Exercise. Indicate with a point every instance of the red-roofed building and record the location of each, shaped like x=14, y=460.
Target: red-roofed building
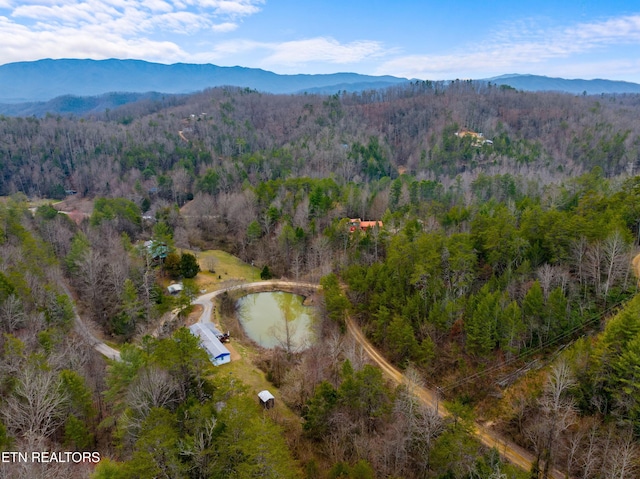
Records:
x=357, y=223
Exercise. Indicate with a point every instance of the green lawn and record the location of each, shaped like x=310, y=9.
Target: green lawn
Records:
x=227, y=267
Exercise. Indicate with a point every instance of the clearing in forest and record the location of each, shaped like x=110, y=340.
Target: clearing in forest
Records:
x=226, y=268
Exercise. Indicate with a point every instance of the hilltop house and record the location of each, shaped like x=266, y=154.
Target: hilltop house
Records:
x=357, y=223
x=477, y=139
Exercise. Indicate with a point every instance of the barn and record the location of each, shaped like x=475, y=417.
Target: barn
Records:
x=218, y=353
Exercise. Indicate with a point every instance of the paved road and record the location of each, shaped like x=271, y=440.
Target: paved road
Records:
x=83, y=330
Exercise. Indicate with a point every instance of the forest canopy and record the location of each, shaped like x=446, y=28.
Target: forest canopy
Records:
x=482, y=238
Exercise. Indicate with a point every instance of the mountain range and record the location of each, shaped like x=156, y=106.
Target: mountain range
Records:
x=577, y=86
x=43, y=80
x=71, y=86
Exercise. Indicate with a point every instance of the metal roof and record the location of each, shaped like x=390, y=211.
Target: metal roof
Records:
x=209, y=340
x=265, y=395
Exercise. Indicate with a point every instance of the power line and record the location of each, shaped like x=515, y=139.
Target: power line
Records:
x=532, y=351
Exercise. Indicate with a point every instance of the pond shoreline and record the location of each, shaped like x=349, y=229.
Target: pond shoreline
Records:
x=278, y=318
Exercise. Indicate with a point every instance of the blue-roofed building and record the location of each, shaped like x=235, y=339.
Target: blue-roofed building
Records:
x=217, y=352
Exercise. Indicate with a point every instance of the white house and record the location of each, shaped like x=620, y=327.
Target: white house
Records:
x=217, y=352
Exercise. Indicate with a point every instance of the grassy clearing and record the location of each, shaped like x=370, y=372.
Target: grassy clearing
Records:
x=228, y=269
x=245, y=370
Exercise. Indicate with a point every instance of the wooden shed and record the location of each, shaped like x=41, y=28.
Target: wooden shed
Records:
x=266, y=399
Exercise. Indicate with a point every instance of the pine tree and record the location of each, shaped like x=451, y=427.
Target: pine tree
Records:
x=481, y=325
x=533, y=312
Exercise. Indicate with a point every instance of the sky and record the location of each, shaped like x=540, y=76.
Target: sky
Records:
x=426, y=39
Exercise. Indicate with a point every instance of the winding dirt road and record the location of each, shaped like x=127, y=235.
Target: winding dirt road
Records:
x=507, y=449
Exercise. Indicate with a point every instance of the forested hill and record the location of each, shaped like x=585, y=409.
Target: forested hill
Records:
x=575, y=86
x=428, y=130
x=71, y=86
x=501, y=229
x=46, y=79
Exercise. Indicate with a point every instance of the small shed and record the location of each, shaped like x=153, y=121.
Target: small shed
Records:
x=266, y=399
x=174, y=288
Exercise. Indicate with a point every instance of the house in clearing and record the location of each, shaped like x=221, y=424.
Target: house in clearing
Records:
x=477, y=139
x=358, y=224
x=208, y=334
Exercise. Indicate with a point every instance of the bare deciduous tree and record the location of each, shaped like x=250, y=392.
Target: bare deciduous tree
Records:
x=557, y=413
x=622, y=460
x=11, y=314
x=422, y=424
x=616, y=260
x=152, y=387
x=35, y=406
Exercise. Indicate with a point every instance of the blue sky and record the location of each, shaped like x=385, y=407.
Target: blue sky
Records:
x=415, y=39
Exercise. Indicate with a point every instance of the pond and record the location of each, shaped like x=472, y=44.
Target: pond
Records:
x=277, y=319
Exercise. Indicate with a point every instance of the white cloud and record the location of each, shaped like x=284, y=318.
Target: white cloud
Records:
x=157, y=6
x=113, y=28
x=178, y=22
x=65, y=13
x=520, y=48
x=229, y=7
x=225, y=27
x=321, y=49
x=235, y=47
x=622, y=30
x=293, y=56
x=21, y=44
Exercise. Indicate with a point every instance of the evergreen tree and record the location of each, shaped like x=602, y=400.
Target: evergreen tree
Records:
x=482, y=324
x=265, y=274
x=557, y=313
x=401, y=340
x=189, y=266
x=318, y=409
x=533, y=312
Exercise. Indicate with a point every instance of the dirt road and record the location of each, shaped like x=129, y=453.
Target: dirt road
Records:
x=636, y=266
x=507, y=449
x=83, y=330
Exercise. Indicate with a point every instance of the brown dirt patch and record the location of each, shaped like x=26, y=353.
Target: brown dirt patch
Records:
x=636, y=266
x=235, y=355
x=194, y=315
x=77, y=208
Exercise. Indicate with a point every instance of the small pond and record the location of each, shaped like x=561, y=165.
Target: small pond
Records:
x=277, y=319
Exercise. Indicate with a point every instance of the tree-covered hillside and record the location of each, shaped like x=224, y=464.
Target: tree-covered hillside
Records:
x=237, y=135
x=502, y=231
